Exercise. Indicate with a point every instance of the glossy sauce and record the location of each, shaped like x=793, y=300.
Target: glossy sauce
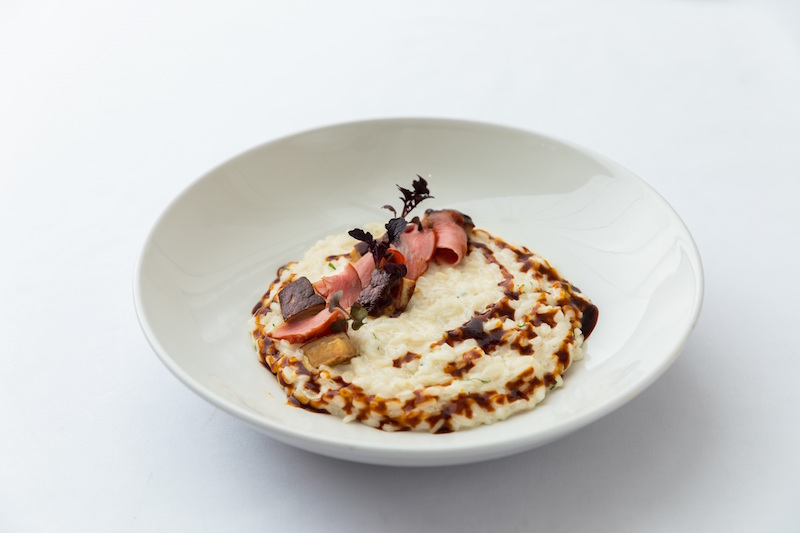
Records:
x=407, y=358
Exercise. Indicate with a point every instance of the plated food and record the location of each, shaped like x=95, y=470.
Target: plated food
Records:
x=215, y=249
x=433, y=326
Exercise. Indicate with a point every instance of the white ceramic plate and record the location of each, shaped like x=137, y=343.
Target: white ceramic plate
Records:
x=215, y=249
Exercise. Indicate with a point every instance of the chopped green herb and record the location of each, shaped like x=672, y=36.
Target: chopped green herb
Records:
x=481, y=380
x=374, y=336
x=553, y=386
x=331, y=265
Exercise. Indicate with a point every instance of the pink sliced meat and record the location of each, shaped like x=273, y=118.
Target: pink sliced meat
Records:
x=305, y=329
x=417, y=247
x=364, y=266
x=348, y=281
x=451, y=235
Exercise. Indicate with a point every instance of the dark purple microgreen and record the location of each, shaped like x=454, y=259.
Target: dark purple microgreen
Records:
x=378, y=249
x=395, y=270
x=361, y=235
x=395, y=228
x=412, y=198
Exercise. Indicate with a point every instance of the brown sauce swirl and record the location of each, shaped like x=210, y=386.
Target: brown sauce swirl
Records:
x=407, y=358
x=464, y=365
x=508, y=280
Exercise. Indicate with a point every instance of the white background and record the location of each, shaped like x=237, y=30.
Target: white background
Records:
x=109, y=109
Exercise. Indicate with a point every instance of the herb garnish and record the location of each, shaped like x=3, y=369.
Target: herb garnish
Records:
x=379, y=248
x=395, y=226
x=357, y=313
x=411, y=199
x=373, y=296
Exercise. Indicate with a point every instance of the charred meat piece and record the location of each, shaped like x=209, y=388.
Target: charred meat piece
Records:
x=298, y=300
x=330, y=350
x=382, y=284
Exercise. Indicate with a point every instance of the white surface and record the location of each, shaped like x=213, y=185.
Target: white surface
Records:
x=108, y=110
x=199, y=273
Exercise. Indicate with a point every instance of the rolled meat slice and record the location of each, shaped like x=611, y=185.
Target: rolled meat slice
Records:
x=450, y=228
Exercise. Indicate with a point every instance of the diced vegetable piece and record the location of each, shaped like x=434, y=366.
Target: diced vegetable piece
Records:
x=330, y=350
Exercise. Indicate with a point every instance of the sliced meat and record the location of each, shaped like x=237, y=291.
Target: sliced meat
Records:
x=364, y=267
x=330, y=350
x=348, y=281
x=450, y=228
x=462, y=219
x=298, y=300
x=417, y=247
x=305, y=329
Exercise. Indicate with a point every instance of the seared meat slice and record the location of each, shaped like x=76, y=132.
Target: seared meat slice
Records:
x=330, y=350
x=305, y=329
x=298, y=300
x=347, y=281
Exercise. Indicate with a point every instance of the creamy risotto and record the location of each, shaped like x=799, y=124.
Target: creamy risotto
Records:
x=476, y=343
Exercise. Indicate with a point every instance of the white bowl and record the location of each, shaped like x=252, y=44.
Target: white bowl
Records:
x=213, y=252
